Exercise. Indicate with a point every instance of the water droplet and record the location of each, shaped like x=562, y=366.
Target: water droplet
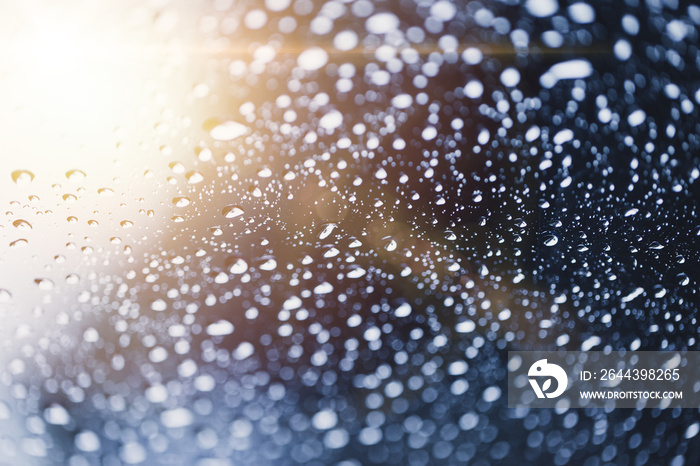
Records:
x=44, y=284
x=75, y=175
x=268, y=265
x=22, y=177
x=632, y=295
x=87, y=441
x=70, y=198
x=126, y=223
x=181, y=201
x=56, y=415
x=466, y=326
x=659, y=291
x=133, y=453
x=204, y=154
x=22, y=224
x=105, y=192
x=356, y=272
x=327, y=230
x=176, y=418
x=237, y=265
x=332, y=252
x=19, y=243
x=221, y=278
x=194, y=177
x=323, y=288
x=232, y=211
x=312, y=59
x=228, y=131
x=5, y=296
x=404, y=310
x=220, y=328
x=550, y=239
x=177, y=167
x=159, y=305
x=264, y=172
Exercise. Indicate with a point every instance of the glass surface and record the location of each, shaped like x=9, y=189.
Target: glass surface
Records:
x=302, y=232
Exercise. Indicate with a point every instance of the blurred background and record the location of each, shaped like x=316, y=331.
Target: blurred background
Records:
x=301, y=232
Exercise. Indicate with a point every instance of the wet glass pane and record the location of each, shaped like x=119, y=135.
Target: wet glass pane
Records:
x=302, y=232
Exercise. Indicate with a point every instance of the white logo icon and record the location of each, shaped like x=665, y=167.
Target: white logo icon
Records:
x=547, y=371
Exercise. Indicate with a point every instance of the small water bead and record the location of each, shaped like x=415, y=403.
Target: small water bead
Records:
x=356, y=272
x=194, y=177
x=159, y=305
x=550, y=239
x=204, y=154
x=133, y=453
x=228, y=131
x=382, y=23
x=177, y=167
x=105, y=192
x=581, y=13
x=327, y=230
x=312, y=59
x=44, y=284
x=22, y=224
x=541, y=8
x=220, y=328
x=237, y=266
x=22, y=177
x=268, y=265
x=19, y=243
x=75, y=175
x=181, y=201
x=264, y=172
x=232, y=211
x=404, y=310
x=87, y=441
x=126, y=223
